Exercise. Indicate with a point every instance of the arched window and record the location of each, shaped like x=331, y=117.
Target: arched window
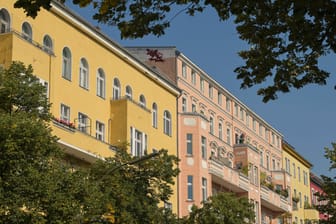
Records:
x=101, y=83
x=48, y=44
x=27, y=31
x=116, y=89
x=142, y=100
x=84, y=73
x=154, y=115
x=66, y=63
x=4, y=21
x=129, y=92
x=167, y=124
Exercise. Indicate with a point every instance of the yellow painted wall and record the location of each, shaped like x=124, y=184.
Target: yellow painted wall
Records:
x=84, y=41
x=296, y=182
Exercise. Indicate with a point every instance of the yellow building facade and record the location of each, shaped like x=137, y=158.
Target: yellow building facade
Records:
x=299, y=170
x=101, y=96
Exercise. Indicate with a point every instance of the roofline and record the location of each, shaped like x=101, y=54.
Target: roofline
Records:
x=80, y=23
x=291, y=150
x=201, y=71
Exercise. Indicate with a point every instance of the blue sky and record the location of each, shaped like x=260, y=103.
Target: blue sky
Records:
x=305, y=117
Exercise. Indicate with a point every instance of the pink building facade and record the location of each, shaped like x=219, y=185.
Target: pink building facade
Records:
x=222, y=144
x=316, y=187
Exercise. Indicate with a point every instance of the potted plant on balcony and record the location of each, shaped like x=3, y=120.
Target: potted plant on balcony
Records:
x=295, y=199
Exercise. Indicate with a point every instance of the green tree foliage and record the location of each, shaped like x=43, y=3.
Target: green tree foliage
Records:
x=35, y=184
x=134, y=188
x=223, y=208
x=328, y=198
x=286, y=37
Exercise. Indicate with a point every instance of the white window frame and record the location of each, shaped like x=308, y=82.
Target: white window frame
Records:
x=154, y=115
x=193, y=77
x=101, y=83
x=138, y=142
x=184, y=70
x=66, y=63
x=167, y=123
x=82, y=122
x=129, y=92
x=4, y=21
x=211, y=124
x=48, y=44
x=204, y=189
x=189, y=144
x=27, y=32
x=190, y=188
x=203, y=147
x=84, y=74
x=142, y=101
x=184, y=104
x=100, y=131
x=116, y=89
x=220, y=130
x=65, y=113
x=211, y=88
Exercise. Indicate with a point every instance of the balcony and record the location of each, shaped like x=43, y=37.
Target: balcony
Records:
x=273, y=201
x=78, y=144
x=227, y=177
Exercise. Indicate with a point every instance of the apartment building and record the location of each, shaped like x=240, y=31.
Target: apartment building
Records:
x=101, y=95
x=299, y=169
x=222, y=144
x=316, y=184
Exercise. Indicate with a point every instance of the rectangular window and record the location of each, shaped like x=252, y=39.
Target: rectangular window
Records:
x=273, y=164
x=100, y=131
x=189, y=144
x=203, y=147
x=193, y=108
x=228, y=136
x=241, y=114
x=299, y=173
x=193, y=77
x=202, y=85
x=204, y=189
x=260, y=130
x=261, y=158
x=45, y=84
x=266, y=134
x=184, y=105
x=273, y=138
x=294, y=170
x=184, y=70
x=305, y=178
x=210, y=92
x=254, y=124
x=83, y=122
x=267, y=162
x=247, y=120
x=138, y=142
x=219, y=99
x=190, y=187
x=65, y=113
x=236, y=109
x=228, y=104
x=220, y=131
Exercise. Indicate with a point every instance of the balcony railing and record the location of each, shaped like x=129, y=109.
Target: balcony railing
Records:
x=227, y=176
x=273, y=201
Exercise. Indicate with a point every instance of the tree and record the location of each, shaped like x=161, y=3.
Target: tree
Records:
x=286, y=37
x=223, y=208
x=135, y=189
x=328, y=197
x=36, y=186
